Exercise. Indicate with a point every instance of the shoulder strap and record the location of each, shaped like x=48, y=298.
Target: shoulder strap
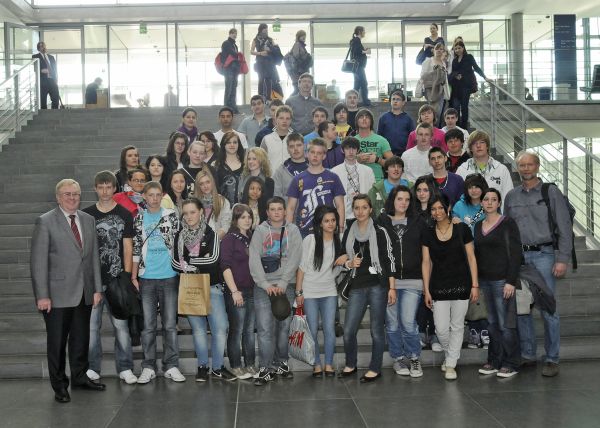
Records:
x=348, y=54
x=281, y=241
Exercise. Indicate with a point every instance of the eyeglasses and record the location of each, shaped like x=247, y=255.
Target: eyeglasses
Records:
x=138, y=180
x=71, y=194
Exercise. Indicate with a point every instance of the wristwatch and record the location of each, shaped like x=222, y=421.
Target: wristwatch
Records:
x=299, y=293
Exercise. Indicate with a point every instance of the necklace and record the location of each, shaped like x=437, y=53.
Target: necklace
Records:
x=445, y=232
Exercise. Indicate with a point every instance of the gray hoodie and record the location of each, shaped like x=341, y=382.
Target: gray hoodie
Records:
x=265, y=242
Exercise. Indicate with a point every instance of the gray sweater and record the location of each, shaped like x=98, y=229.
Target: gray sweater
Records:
x=265, y=242
x=302, y=108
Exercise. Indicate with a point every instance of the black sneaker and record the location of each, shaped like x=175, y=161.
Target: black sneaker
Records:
x=223, y=373
x=283, y=371
x=202, y=375
x=264, y=375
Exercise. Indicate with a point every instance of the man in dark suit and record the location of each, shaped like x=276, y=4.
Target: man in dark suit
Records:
x=65, y=274
x=48, y=76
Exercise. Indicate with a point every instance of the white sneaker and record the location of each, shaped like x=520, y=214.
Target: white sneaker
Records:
x=241, y=373
x=92, y=374
x=174, y=374
x=401, y=367
x=128, y=377
x=450, y=373
x=436, y=347
x=146, y=376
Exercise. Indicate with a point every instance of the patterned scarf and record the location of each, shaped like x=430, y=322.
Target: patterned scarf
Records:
x=190, y=239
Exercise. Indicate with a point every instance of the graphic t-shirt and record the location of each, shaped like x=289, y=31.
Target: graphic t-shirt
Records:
x=374, y=144
x=111, y=228
x=158, y=258
x=312, y=190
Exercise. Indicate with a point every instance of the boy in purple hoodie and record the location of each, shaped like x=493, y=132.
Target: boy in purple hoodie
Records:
x=448, y=183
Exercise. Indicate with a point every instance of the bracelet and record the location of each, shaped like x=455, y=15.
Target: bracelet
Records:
x=236, y=291
x=299, y=293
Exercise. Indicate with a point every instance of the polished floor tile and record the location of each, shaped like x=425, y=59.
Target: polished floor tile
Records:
x=526, y=400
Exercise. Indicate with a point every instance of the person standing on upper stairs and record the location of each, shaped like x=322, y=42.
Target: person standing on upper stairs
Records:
x=48, y=77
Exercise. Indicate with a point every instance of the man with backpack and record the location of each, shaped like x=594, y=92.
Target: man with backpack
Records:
x=298, y=60
x=542, y=214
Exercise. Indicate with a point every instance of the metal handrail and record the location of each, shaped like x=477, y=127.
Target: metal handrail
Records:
x=20, y=95
x=508, y=119
x=543, y=120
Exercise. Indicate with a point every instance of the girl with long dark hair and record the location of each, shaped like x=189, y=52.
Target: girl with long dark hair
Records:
x=212, y=146
x=130, y=159
x=229, y=166
x=177, y=148
x=315, y=282
x=499, y=252
x=254, y=196
x=449, y=279
x=157, y=167
x=240, y=296
x=176, y=191
x=405, y=229
x=368, y=248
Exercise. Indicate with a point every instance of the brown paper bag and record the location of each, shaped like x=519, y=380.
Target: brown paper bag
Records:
x=194, y=294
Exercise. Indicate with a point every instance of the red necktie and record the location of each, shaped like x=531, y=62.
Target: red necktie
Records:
x=75, y=230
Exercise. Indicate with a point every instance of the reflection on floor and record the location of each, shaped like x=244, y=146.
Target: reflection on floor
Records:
x=526, y=400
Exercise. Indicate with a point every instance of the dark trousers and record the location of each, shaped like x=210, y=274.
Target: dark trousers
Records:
x=231, y=82
x=68, y=326
x=361, y=85
x=48, y=86
x=460, y=101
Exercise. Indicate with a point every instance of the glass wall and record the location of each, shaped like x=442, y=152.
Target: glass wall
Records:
x=65, y=45
x=138, y=65
x=198, y=45
x=96, y=53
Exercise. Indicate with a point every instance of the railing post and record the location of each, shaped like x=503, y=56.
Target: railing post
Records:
x=17, y=103
x=589, y=186
x=565, y=153
x=493, y=116
x=524, y=123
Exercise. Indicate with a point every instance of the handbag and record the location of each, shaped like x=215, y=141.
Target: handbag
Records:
x=524, y=298
x=243, y=64
x=523, y=295
x=271, y=263
x=421, y=57
x=343, y=282
x=349, y=65
x=300, y=341
x=194, y=294
x=478, y=310
x=121, y=296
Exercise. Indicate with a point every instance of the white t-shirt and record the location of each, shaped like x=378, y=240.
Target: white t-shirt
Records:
x=219, y=134
x=319, y=283
x=416, y=163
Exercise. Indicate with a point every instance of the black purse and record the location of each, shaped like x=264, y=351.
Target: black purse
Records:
x=271, y=263
x=343, y=282
x=349, y=65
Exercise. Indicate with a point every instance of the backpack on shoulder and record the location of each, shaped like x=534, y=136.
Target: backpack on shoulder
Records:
x=553, y=226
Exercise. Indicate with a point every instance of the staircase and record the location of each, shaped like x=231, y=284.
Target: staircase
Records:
x=78, y=143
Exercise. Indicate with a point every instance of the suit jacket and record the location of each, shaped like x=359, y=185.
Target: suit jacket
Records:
x=60, y=270
x=43, y=64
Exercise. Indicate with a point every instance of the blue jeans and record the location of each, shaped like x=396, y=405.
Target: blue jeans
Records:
x=242, y=321
x=123, y=351
x=272, y=334
x=543, y=261
x=217, y=319
x=376, y=298
x=504, y=350
x=325, y=308
x=361, y=85
x=163, y=291
x=401, y=324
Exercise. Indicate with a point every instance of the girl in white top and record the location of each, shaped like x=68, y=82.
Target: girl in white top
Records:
x=315, y=282
x=217, y=209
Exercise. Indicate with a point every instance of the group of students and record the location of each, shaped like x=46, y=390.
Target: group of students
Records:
x=271, y=231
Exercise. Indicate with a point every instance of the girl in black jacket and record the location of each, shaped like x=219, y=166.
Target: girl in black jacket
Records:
x=196, y=252
x=463, y=82
x=369, y=253
x=405, y=228
x=359, y=54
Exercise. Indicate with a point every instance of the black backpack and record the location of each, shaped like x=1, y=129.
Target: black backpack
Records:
x=553, y=227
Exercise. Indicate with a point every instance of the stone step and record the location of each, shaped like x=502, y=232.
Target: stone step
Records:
x=45, y=195
x=15, y=231
x=35, y=366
